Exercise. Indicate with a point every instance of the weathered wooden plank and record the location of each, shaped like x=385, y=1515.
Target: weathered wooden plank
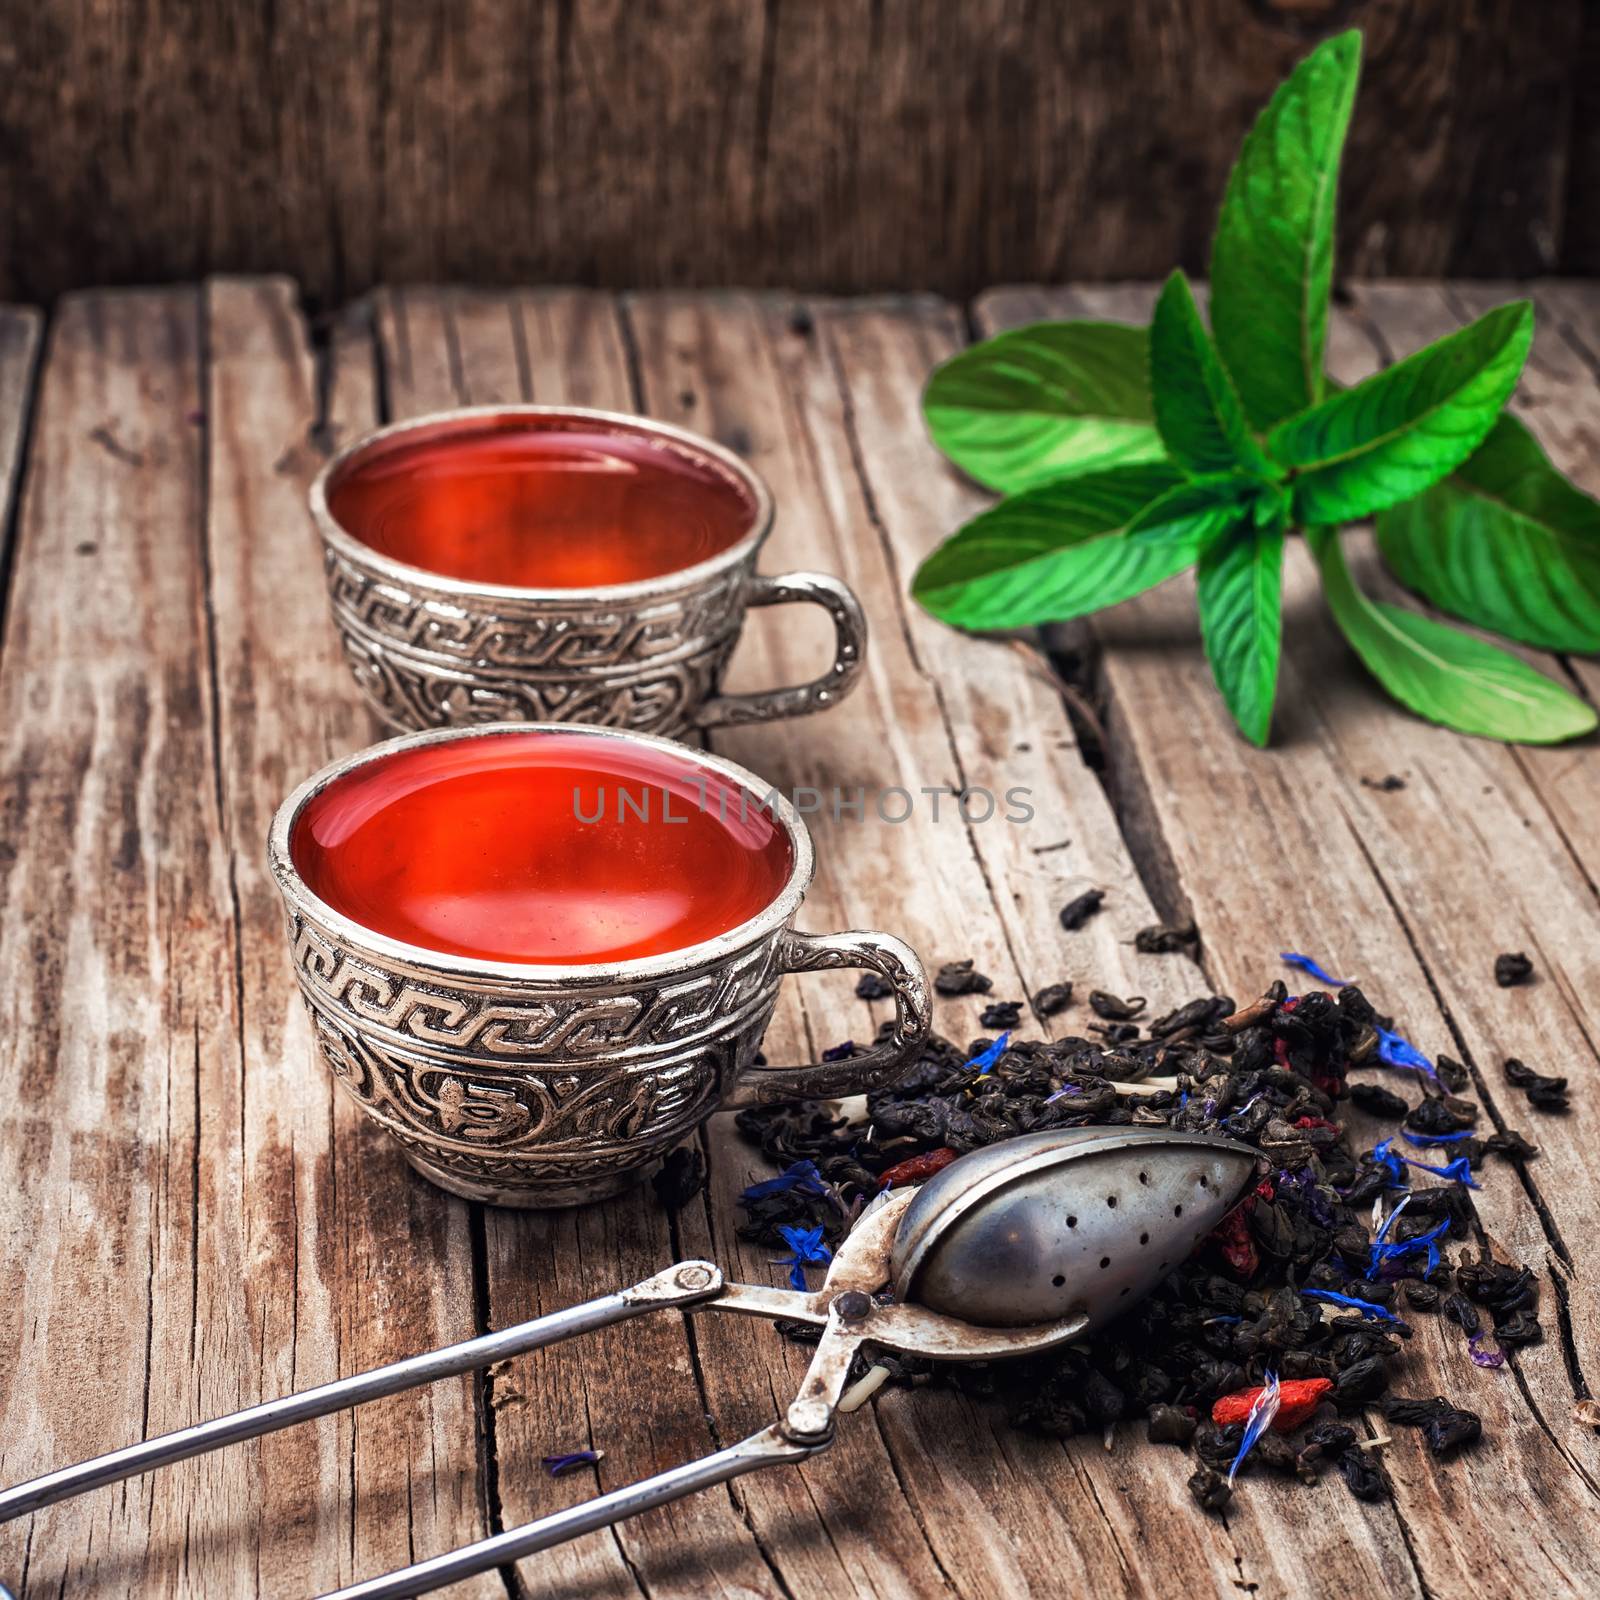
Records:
x=1136, y=1502
x=1289, y=849
x=839, y=144
x=746, y=372
x=120, y=1027
x=632, y=1391
x=352, y=1261
x=219, y=1227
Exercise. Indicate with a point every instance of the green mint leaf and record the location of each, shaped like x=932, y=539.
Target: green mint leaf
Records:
x=1507, y=543
x=1443, y=674
x=1405, y=428
x=1043, y=402
x=1197, y=511
x=1202, y=423
x=1241, y=619
x=1054, y=552
x=1272, y=257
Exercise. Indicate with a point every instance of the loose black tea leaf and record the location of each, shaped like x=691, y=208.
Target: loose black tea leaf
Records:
x=1512, y=1145
x=1191, y=1018
x=1544, y=1093
x=1077, y=912
x=1298, y=1277
x=958, y=978
x=1117, y=1032
x=1511, y=969
x=1171, y=1424
x=1053, y=999
x=1162, y=940
x=1113, y=1008
x=873, y=987
x=1363, y=1475
x=1001, y=1015
x=1520, y=1327
x=1210, y=1489
x=1422, y=1296
x=1445, y=1427
x=1378, y=1101
x=1439, y=1115
x=1387, y=784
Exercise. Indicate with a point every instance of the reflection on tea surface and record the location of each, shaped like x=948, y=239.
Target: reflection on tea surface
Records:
x=540, y=507
x=554, y=848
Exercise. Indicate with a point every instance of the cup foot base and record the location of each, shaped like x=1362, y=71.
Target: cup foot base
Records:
x=550, y=1196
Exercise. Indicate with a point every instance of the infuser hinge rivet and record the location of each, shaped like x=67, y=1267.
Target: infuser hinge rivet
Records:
x=693, y=1278
x=852, y=1305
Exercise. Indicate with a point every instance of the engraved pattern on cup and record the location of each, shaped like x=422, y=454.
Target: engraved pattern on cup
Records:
x=424, y=658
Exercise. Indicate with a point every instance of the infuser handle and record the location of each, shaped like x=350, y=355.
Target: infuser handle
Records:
x=849, y=653
x=768, y=1448
x=685, y=1284
x=897, y=964
x=806, y=1429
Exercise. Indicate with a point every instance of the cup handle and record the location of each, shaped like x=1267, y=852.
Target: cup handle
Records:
x=897, y=964
x=849, y=652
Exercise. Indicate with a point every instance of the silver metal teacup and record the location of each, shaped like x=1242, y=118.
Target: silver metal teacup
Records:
x=529, y=1085
x=430, y=650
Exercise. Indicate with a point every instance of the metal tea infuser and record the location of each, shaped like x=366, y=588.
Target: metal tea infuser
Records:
x=1011, y=1249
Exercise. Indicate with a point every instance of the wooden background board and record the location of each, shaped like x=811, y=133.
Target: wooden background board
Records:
x=840, y=145
x=199, y=1221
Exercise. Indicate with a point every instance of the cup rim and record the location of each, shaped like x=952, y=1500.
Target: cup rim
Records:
x=462, y=418
x=669, y=963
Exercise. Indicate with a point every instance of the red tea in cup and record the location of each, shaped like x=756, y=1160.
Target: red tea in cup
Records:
x=536, y=505
x=551, y=848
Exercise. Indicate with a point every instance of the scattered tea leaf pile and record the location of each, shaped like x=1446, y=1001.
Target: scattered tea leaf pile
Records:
x=1307, y=1288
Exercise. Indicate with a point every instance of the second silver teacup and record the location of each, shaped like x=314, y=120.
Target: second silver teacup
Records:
x=443, y=648
x=547, y=1083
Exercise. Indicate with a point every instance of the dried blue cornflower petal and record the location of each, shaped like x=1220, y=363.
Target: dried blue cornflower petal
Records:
x=1394, y=1163
x=1458, y=1171
x=1484, y=1358
x=809, y=1250
x=1367, y=1308
x=1380, y=1251
x=1293, y=958
x=1423, y=1140
x=1262, y=1410
x=802, y=1177
x=1397, y=1052
x=1239, y=1111
x=985, y=1059
x=556, y=1465
x=1383, y=1250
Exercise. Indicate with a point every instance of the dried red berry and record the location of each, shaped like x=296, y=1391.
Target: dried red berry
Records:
x=1297, y=1399
x=1233, y=1243
x=917, y=1169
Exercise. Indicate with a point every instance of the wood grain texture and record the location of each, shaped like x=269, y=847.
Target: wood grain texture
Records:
x=218, y=1232
x=1288, y=848
x=829, y=144
x=199, y=1221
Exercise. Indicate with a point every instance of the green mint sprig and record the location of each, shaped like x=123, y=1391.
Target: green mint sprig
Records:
x=1128, y=455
